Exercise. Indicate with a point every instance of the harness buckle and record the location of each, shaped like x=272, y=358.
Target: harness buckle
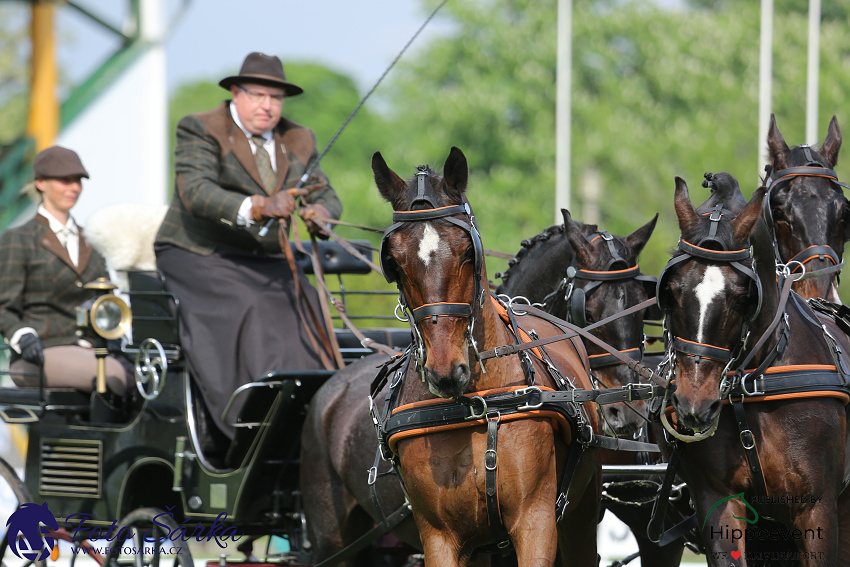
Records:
x=472, y=415
x=748, y=441
x=490, y=459
x=631, y=388
x=373, y=476
x=561, y=506
x=755, y=391
x=528, y=390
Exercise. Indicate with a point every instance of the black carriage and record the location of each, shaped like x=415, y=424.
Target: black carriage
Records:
x=103, y=466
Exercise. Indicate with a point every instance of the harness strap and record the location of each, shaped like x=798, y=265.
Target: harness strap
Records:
x=573, y=461
x=605, y=360
x=608, y=275
x=366, y=539
x=635, y=366
x=659, y=508
x=708, y=254
x=748, y=442
x=821, y=251
x=442, y=310
x=701, y=350
x=491, y=461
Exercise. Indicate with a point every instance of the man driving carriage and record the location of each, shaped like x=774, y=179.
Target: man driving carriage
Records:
x=242, y=312
x=44, y=266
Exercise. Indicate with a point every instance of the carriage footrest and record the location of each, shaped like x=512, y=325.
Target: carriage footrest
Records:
x=15, y=414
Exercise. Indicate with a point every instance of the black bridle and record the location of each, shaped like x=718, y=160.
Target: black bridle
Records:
x=778, y=179
x=432, y=311
x=732, y=258
x=576, y=297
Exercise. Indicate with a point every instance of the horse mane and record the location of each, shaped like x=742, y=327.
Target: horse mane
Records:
x=528, y=245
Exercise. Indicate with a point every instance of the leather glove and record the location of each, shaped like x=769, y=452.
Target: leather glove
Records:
x=279, y=206
x=314, y=217
x=32, y=349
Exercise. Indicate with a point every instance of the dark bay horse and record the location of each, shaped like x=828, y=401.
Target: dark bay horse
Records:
x=735, y=336
x=807, y=209
x=434, y=254
x=605, y=280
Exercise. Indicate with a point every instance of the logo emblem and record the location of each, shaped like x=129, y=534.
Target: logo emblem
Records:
x=26, y=528
x=747, y=504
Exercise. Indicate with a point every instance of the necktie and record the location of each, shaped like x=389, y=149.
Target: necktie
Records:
x=264, y=163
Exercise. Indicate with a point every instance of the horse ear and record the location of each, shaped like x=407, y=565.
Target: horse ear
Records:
x=390, y=185
x=744, y=222
x=581, y=247
x=456, y=174
x=832, y=144
x=776, y=146
x=688, y=217
x=638, y=239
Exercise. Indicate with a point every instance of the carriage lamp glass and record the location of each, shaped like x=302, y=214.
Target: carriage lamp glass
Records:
x=107, y=315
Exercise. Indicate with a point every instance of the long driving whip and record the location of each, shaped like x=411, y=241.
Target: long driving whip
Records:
x=265, y=229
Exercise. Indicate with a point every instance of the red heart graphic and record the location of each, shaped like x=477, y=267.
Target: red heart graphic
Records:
x=735, y=554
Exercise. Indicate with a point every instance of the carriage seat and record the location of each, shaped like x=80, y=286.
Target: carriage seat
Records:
x=155, y=309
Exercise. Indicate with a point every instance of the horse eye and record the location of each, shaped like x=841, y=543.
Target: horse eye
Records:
x=778, y=215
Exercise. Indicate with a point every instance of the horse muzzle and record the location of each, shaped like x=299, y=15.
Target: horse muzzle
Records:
x=697, y=416
x=449, y=385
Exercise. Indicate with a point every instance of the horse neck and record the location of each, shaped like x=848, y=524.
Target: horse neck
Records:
x=538, y=269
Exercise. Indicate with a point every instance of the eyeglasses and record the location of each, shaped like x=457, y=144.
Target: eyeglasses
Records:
x=257, y=98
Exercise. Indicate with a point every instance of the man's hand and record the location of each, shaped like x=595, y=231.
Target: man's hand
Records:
x=32, y=349
x=315, y=218
x=278, y=206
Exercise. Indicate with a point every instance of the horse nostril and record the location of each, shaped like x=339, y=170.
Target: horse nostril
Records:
x=713, y=409
x=460, y=373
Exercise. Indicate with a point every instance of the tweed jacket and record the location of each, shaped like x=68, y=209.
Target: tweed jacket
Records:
x=215, y=171
x=39, y=285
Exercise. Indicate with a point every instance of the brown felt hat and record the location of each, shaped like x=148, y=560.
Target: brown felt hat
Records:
x=264, y=70
x=56, y=162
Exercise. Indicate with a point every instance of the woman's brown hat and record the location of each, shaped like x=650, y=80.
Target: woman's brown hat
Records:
x=57, y=162
x=262, y=69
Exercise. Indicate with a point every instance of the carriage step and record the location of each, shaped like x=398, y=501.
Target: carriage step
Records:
x=635, y=469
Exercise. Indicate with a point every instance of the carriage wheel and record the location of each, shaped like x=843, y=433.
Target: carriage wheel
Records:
x=22, y=496
x=147, y=543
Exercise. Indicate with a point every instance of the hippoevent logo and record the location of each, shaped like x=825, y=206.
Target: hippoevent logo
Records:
x=28, y=529
x=726, y=532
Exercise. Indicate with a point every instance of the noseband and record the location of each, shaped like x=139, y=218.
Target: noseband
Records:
x=432, y=311
x=777, y=179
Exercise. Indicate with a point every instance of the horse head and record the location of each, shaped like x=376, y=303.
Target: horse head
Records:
x=807, y=209
x=433, y=253
x=606, y=280
x=713, y=291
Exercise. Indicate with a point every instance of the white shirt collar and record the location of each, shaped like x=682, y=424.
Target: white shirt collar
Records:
x=55, y=225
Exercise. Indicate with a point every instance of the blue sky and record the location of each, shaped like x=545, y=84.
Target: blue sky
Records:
x=207, y=39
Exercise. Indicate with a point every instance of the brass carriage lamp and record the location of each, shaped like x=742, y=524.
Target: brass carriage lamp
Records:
x=103, y=318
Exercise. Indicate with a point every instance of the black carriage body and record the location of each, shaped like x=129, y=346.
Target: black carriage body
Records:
x=95, y=473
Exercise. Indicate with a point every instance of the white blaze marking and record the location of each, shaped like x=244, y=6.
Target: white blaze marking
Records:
x=430, y=243
x=711, y=286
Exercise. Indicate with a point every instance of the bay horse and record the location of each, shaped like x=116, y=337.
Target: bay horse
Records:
x=807, y=210
x=606, y=271
x=761, y=394
x=497, y=482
